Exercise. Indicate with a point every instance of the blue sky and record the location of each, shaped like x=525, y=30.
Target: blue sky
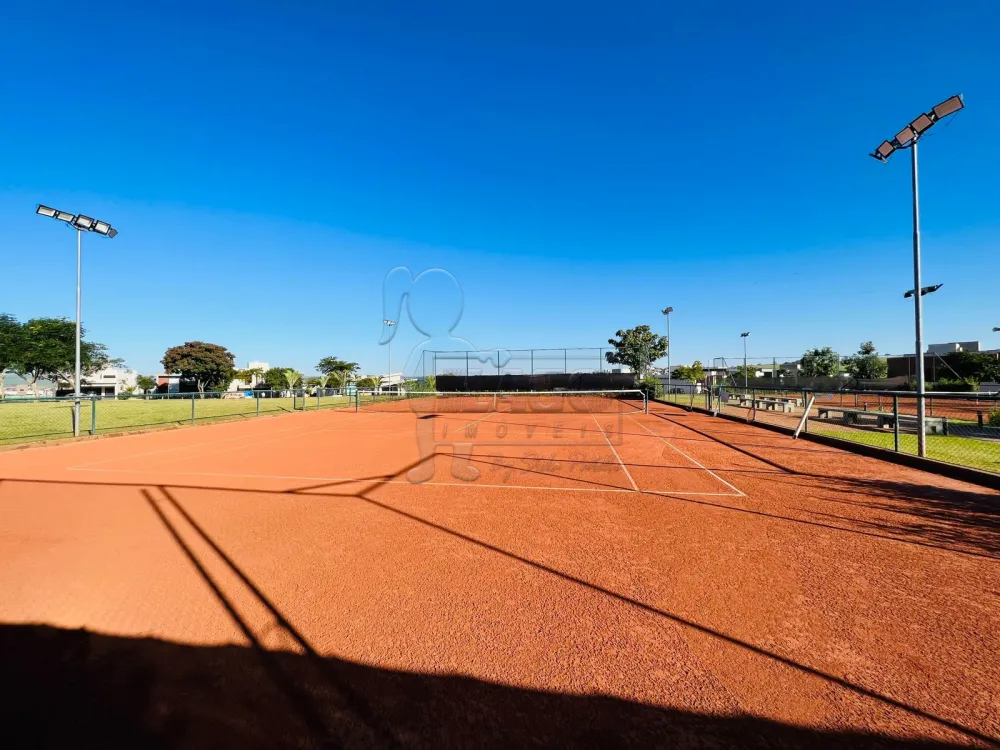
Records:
x=576, y=166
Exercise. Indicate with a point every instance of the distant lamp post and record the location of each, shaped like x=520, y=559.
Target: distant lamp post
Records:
x=667, y=312
x=82, y=224
x=908, y=138
x=390, y=324
x=746, y=381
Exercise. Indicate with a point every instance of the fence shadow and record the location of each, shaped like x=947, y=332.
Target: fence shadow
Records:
x=74, y=688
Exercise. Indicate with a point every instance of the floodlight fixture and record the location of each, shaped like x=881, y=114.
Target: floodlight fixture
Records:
x=904, y=136
x=909, y=135
x=921, y=124
x=64, y=216
x=996, y=330
x=924, y=290
x=46, y=211
x=948, y=107
x=102, y=227
x=668, y=310
x=84, y=222
x=112, y=232
x=884, y=151
x=744, y=335
x=389, y=322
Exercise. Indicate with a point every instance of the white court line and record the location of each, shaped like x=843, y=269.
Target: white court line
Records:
x=356, y=480
x=464, y=426
x=620, y=462
x=701, y=466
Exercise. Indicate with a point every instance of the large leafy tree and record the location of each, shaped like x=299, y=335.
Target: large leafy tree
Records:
x=974, y=367
x=867, y=364
x=820, y=363
x=274, y=378
x=11, y=336
x=48, y=351
x=692, y=372
x=339, y=370
x=637, y=348
x=369, y=382
x=210, y=366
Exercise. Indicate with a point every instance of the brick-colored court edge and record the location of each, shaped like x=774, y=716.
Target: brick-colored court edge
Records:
x=663, y=579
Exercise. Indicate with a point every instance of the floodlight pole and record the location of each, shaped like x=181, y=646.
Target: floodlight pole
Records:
x=79, y=273
x=918, y=308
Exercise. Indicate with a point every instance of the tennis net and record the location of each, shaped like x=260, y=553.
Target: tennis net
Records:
x=513, y=402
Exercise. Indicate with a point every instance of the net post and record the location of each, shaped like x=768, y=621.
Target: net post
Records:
x=645, y=403
x=804, y=422
x=93, y=416
x=257, y=399
x=192, y=408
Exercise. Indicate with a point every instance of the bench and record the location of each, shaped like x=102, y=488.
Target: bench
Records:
x=767, y=404
x=853, y=416
x=932, y=425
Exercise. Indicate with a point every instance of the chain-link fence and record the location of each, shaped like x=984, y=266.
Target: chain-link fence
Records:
x=960, y=428
x=515, y=362
x=52, y=418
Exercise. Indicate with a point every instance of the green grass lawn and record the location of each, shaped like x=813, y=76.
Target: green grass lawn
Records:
x=22, y=421
x=978, y=454
x=684, y=399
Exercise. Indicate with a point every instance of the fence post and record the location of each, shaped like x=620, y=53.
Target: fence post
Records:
x=192, y=408
x=895, y=423
x=979, y=417
x=257, y=398
x=93, y=416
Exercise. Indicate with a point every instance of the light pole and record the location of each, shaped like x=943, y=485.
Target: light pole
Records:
x=667, y=312
x=82, y=224
x=745, y=376
x=908, y=138
x=389, y=323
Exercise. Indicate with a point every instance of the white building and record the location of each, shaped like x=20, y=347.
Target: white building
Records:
x=242, y=385
x=109, y=382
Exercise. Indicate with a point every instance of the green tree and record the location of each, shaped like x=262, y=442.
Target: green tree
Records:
x=210, y=366
x=637, y=348
x=339, y=370
x=11, y=337
x=867, y=364
x=48, y=351
x=274, y=379
x=145, y=383
x=743, y=374
x=693, y=372
x=368, y=382
x=974, y=367
x=820, y=363
x=291, y=377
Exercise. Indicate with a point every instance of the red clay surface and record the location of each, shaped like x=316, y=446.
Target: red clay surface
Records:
x=645, y=580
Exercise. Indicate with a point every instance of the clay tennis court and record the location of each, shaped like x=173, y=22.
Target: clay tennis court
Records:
x=607, y=579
